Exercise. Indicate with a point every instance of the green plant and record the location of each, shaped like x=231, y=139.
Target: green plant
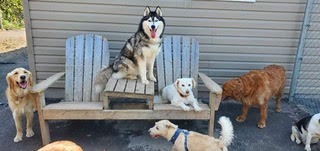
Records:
x=12, y=14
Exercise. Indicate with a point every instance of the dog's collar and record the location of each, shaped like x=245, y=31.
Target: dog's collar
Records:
x=176, y=134
x=182, y=95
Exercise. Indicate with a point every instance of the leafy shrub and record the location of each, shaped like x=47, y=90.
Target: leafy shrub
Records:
x=12, y=14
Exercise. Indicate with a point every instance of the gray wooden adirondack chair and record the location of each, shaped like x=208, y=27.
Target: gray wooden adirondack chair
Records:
x=86, y=54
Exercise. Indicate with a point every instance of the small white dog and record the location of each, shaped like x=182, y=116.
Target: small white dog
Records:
x=184, y=140
x=307, y=130
x=180, y=93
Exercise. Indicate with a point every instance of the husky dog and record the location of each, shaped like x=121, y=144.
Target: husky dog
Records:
x=137, y=56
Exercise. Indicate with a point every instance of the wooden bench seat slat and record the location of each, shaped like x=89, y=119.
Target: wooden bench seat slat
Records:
x=131, y=86
x=74, y=106
x=150, y=88
x=87, y=73
x=121, y=85
x=111, y=84
x=140, y=87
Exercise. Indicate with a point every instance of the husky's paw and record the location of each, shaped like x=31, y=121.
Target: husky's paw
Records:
x=152, y=78
x=197, y=109
x=30, y=133
x=18, y=138
x=145, y=82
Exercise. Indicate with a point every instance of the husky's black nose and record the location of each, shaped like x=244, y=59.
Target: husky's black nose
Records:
x=153, y=26
x=22, y=77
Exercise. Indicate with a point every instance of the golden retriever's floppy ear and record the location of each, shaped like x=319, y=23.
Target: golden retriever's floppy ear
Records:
x=10, y=82
x=170, y=125
x=30, y=81
x=194, y=83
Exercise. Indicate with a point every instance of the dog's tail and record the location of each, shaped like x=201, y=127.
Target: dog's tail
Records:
x=227, y=130
x=102, y=79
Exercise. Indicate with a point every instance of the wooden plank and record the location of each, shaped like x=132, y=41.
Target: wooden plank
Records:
x=194, y=63
x=111, y=84
x=74, y=106
x=131, y=85
x=105, y=52
x=78, y=73
x=186, y=57
x=70, y=57
x=169, y=107
x=140, y=87
x=150, y=88
x=176, y=44
x=121, y=85
x=168, y=61
x=123, y=114
x=87, y=73
x=44, y=85
x=115, y=94
x=160, y=70
x=97, y=52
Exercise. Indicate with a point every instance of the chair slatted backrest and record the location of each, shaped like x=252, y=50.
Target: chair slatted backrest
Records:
x=86, y=54
x=179, y=58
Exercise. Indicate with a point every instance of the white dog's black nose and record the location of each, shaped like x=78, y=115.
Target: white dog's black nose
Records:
x=153, y=26
x=22, y=77
x=187, y=92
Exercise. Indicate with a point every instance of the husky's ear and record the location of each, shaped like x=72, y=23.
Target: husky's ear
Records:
x=146, y=11
x=194, y=83
x=158, y=11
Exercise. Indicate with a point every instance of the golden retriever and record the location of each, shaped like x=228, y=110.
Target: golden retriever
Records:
x=61, y=146
x=20, y=100
x=189, y=140
x=256, y=88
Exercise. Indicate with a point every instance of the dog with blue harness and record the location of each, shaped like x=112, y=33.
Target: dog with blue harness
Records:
x=184, y=140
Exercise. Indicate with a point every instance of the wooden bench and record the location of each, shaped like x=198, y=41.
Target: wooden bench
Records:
x=86, y=54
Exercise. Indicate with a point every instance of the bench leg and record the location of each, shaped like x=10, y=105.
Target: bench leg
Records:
x=211, y=126
x=106, y=102
x=150, y=100
x=45, y=134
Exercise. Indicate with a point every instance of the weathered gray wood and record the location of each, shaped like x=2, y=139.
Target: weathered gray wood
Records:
x=150, y=88
x=194, y=58
x=168, y=60
x=131, y=86
x=97, y=55
x=121, y=85
x=185, y=57
x=87, y=73
x=140, y=87
x=111, y=84
x=176, y=44
x=45, y=84
x=74, y=106
x=70, y=57
x=160, y=70
x=210, y=84
x=78, y=68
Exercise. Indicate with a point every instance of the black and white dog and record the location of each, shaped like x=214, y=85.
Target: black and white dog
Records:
x=137, y=57
x=307, y=130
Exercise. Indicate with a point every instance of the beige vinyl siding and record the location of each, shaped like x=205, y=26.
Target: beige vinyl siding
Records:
x=234, y=37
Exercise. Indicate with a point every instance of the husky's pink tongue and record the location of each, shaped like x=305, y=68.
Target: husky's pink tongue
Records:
x=153, y=33
x=23, y=84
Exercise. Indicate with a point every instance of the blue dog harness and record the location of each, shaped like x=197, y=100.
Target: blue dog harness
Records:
x=176, y=134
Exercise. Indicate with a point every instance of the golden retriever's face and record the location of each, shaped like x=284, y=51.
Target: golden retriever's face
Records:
x=161, y=128
x=231, y=88
x=19, y=78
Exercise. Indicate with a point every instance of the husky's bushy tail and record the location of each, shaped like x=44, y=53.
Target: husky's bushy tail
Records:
x=101, y=79
x=227, y=131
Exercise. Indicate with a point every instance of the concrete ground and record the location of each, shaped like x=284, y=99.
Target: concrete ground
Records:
x=132, y=135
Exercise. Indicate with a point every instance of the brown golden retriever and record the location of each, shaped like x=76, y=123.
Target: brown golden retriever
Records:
x=61, y=146
x=256, y=88
x=20, y=100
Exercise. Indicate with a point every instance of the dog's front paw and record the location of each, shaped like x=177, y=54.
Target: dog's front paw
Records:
x=307, y=148
x=240, y=118
x=197, y=109
x=186, y=108
x=278, y=109
x=261, y=124
x=30, y=133
x=145, y=82
x=18, y=138
x=152, y=78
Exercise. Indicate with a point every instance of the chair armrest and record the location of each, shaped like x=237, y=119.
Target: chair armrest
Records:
x=215, y=91
x=43, y=85
x=210, y=84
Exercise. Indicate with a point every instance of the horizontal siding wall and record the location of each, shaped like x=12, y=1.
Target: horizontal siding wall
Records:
x=235, y=37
